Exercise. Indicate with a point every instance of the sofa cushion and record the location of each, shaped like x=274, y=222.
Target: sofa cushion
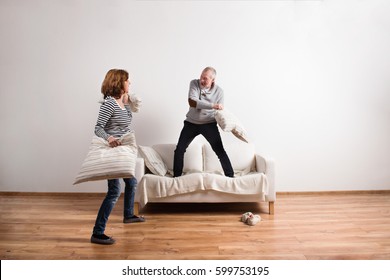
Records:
x=193, y=161
x=252, y=183
x=153, y=160
x=241, y=155
x=152, y=186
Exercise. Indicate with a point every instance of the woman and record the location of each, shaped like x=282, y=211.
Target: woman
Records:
x=114, y=121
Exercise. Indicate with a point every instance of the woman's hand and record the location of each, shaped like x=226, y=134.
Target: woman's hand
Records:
x=125, y=98
x=113, y=142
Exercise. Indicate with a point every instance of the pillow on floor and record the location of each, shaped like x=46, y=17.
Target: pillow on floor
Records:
x=104, y=162
x=153, y=161
x=229, y=123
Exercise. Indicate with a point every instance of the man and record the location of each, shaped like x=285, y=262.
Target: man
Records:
x=204, y=98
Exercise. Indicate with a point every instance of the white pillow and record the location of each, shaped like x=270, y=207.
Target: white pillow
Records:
x=193, y=157
x=153, y=161
x=135, y=103
x=229, y=123
x=241, y=155
x=104, y=162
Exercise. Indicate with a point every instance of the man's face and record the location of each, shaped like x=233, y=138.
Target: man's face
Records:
x=206, y=79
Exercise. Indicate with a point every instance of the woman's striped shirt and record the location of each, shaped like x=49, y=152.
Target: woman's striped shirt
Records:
x=112, y=119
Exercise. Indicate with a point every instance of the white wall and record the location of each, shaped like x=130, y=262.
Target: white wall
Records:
x=308, y=79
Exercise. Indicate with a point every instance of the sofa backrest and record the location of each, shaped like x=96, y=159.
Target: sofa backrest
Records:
x=200, y=157
x=241, y=155
x=193, y=160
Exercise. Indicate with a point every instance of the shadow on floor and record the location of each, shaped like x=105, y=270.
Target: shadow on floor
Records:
x=210, y=208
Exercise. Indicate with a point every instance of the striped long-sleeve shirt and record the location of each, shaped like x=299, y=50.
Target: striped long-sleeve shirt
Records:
x=113, y=120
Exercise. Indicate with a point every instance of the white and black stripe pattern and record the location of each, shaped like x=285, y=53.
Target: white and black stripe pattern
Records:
x=112, y=119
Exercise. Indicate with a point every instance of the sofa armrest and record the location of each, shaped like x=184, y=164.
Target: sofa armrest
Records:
x=139, y=169
x=267, y=166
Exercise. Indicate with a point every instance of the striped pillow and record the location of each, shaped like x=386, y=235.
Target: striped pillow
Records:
x=103, y=162
x=153, y=161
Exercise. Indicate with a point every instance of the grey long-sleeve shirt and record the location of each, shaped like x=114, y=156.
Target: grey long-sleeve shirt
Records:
x=203, y=112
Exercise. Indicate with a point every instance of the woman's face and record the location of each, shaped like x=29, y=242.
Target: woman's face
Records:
x=126, y=86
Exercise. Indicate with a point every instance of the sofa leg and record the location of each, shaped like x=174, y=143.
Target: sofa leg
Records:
x=271, y=207
x=136, y=208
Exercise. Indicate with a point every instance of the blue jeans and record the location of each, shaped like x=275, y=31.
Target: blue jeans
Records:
x=211, y=133
x=113, y=194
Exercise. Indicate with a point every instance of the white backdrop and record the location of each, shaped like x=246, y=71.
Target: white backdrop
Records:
x=308, y=79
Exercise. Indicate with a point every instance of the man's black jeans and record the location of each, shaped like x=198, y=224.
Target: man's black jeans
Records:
x=211, y=133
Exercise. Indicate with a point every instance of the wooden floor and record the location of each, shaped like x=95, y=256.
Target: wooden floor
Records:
x=305, y=226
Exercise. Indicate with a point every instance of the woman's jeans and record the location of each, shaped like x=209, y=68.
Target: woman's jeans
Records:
x=113, y=194
x=211, y=133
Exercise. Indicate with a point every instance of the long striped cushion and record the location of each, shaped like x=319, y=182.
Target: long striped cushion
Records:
x=103, y=162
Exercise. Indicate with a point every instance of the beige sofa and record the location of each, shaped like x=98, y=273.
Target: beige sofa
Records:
x=203, y=180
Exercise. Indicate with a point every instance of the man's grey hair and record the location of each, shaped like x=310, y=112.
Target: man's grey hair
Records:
x=212, y=70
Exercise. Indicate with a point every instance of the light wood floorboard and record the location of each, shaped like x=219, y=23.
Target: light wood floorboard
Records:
x=304, y=227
